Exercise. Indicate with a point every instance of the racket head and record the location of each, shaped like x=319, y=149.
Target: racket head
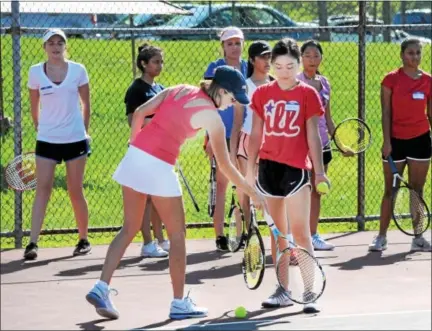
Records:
x=352, y=135
x=300, y=274
x=235, y=228
x=409, y=211
x=253, y=264
x=20, y=173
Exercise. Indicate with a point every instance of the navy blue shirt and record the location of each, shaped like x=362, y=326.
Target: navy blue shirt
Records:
x=227, y=115
x=138, y=93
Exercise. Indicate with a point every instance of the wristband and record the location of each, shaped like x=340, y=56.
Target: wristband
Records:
x=321, y=175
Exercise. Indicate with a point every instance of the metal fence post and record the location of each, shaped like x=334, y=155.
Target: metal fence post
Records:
x=361, y=113
x=16, y=59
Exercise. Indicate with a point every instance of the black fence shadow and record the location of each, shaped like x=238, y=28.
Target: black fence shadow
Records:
x=251, y=322
x=18, y=265
x=124, y=263
x=374, y=259
x=159, y=265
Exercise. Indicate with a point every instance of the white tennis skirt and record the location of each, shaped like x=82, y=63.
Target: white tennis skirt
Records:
x=147, y=174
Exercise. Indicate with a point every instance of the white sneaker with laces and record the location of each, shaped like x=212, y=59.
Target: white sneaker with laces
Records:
x=186, y=308
x=278, y=299
x=153, y=250
x=310, y=307
x=99, y=298
x=319, y=244
x=165, y=245
x=379, y=244
x=420, y=244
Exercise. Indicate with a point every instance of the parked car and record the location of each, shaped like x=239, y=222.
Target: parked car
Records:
x=416, y=16
x=62, y=21
x=223, y=15
x=396, y=35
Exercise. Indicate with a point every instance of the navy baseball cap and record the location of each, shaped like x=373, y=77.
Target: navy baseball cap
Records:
x=233, y=81
x=258, y=48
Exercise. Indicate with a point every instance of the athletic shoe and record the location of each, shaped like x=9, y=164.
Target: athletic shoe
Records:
x=278, y=299
x=82, y=248
x=319, y=244
x=379, y=244
x=311, y=307
x=420, y=244
x=222, y=243
x=152, y=249
x=31, y=251
x=186, y=308
x=99, y=298
x=165, y=245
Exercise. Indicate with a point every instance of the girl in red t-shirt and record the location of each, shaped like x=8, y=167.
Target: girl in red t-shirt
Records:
x=405, y=96
x=286, y=112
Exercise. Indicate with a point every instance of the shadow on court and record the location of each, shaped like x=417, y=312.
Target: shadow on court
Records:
x=21, y=264
x=251, y=322
x=145, y=264
x=375, y=259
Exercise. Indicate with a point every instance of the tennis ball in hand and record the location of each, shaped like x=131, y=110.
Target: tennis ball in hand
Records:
x=240, y=312
x=323, y=188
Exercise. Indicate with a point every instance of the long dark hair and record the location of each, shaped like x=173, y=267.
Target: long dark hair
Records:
x=312, y=43
x=146, y=52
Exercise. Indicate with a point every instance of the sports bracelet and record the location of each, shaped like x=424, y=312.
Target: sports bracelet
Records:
x=323, y=174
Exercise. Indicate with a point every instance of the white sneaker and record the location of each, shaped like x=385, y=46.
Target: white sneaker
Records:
x=153, y=250
x=165, y=245
x=379, y=244
x=311, y=308
x=420, y=244
x=182, y=309
x=278, y=299
x=99, y=298
x=319, y=244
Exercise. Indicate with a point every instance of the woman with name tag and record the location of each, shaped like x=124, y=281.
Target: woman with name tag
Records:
x=405, y=96
x=56, y=88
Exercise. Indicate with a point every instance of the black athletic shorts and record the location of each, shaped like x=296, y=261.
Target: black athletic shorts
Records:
x=417, y=149
x=280, y=180
x=63, y=152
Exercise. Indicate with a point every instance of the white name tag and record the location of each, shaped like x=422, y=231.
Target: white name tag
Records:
x=418, y=96
x=292, y=106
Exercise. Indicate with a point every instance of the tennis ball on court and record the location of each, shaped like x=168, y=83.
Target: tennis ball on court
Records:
x=240, y=312
x=323, y=188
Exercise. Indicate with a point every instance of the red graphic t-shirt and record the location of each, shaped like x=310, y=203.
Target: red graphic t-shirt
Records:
x=285, y=114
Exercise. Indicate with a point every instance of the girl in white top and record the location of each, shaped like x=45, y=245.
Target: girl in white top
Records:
x=259, y=54
x=56, y=88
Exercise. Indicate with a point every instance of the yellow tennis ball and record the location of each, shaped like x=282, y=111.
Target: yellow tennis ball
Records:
x=29, y=167
x=240, y=312
x=323, y=188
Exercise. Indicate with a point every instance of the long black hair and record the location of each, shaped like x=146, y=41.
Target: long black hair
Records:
x=312, y=43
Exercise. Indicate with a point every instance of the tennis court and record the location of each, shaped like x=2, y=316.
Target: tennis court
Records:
x=364, y=290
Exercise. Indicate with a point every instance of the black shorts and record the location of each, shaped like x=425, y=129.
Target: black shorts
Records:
x=62, y=152
x=280, y=180
x=327, y=154
x=417, y=149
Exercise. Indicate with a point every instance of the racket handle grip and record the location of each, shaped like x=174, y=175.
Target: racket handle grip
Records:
x=271, y=224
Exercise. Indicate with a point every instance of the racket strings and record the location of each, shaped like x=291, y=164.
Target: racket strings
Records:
x=352, y=136
x=235, y=230
x=253, y=261
x=409, y=210
x=21, y=172
x=299, y=274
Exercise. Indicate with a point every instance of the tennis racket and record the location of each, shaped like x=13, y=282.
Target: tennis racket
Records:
x=186, y=183
x=20, y=173
x=352, y=136
x=253, y=263
x=236, y=224
x=212, y=193
x=409, y=210
x=298, y=272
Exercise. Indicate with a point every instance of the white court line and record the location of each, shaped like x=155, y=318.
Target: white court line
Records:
x=311, y=317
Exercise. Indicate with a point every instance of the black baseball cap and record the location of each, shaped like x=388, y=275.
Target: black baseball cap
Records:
x=233, y=81
x=258, y=48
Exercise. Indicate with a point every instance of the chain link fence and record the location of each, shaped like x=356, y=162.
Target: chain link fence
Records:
x=360, y=46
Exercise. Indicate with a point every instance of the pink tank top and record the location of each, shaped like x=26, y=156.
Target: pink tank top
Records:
x=170, y=127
